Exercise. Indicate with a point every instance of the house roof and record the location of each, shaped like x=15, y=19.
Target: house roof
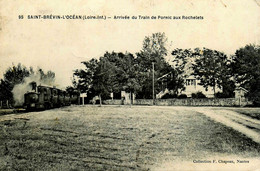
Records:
x=191, y=77
x=241, y=88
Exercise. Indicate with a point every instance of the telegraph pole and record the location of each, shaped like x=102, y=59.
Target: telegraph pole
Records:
x=153, y=82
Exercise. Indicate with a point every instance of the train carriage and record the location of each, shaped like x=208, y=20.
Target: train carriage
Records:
x=44, y=101
x=67, y=101
x=44, y=97
x=61, y=98
x=54, y=97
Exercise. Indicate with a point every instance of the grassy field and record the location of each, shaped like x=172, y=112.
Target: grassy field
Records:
x=115, y=138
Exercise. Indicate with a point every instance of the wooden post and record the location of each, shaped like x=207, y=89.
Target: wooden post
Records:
x=153, y=83
x=100, y=102
x=130, y=99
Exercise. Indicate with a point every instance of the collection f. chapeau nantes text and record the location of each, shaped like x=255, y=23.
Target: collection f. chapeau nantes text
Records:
x=104, y=17
x=221, y=161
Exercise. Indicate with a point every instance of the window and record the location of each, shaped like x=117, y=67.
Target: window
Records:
x=190, y=82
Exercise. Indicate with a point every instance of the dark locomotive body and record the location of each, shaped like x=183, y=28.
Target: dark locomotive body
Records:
x=44, y=97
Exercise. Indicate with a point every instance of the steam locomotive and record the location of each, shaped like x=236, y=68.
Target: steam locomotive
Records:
x=44, y=97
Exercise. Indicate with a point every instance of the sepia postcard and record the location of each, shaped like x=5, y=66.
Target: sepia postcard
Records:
x=130, y=85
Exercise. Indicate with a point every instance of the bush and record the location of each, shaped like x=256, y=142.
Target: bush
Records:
x=255, y=97
x=182, y=96
x=224, y=95
x=198, y=95
x=169, y=96
x=220, y=95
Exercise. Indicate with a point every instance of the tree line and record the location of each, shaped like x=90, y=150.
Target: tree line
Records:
x=117, y=71
x=114, y=72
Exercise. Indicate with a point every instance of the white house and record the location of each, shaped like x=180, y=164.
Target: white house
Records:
x=191, y=83
x=192, y=86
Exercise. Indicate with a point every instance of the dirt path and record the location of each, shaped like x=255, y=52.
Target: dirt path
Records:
x=244, y=124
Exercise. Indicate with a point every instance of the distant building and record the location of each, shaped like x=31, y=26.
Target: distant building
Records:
x=192, y=86
x=127, y=98
x=240, y=92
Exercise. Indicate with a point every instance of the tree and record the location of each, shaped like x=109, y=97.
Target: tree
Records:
x=246, y=67
x=103, y=78
x=48, y=78
x=154, y=51
x=155, y=44
x=130, y=73
x=5, y=90
x=113, y=72
x=183, y=60
x=210, y=67
x=116, y=72
x=14, y=75
x=83, y=78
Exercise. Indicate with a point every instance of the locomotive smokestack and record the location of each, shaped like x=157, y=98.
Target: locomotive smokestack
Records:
x=33, y=84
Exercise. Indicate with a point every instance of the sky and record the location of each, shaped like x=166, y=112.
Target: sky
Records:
x=61, y=45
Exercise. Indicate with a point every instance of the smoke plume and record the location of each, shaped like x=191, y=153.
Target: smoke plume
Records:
x=20, y=89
